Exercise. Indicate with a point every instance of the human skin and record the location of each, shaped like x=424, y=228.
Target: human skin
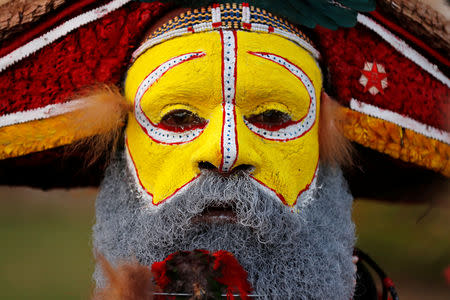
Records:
x=269, y=74
x=163, y=220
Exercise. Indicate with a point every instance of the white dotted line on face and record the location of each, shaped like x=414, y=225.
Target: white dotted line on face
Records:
x=229, y=135
x=155, y=133
x=300, y=127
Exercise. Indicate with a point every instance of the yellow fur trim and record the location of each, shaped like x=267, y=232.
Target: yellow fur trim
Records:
x=21, y=139
x=398, y=142
x=100, y=112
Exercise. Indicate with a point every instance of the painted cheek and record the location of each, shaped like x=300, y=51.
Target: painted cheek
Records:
x=285, y=159
x=161, y=170
x=287, y=168
x=289, y=154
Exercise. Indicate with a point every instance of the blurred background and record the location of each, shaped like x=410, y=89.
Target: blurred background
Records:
x=46, y=247
x=46, y=253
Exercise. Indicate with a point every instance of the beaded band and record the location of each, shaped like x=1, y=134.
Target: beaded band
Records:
x=227, y=16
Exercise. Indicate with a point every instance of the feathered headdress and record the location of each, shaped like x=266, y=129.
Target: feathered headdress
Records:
x=390, y=72
x=309, y=13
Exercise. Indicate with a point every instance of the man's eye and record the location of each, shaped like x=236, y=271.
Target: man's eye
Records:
x=181, y=120
x=270, y=119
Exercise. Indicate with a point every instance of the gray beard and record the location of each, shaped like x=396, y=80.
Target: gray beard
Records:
x=304, y=255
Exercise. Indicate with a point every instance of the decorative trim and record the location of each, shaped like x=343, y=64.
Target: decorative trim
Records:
x=246, y=14
x=54, y=34
x=45, y=112
x=396, y=141
x=216, y=16
x=156, y=133
x=42, y=134
x=404, y=49
x=400, y=120
x=169, y=35
x=227, y=17
x=290, y=36
x=407, y=35
x=42, y=27
x=229, y=141
x=373, y=78
x=300, y=127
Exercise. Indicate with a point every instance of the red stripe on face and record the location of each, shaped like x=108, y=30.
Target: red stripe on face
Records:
x=234, y=98
x=136, y=170
x=223, y=97
x=308, y=185
x=145, y=190
x=279, y=196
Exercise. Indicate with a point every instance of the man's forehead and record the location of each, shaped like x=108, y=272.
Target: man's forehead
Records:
x=212, y=44
x=209, y=66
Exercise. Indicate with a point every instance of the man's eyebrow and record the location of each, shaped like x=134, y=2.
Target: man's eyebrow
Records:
x=179, y=92
x=291, y=67
x=157, y=74
x=163, y=68
x=275, y=58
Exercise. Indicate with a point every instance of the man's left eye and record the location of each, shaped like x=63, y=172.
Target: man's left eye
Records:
x=270, y=119
x=181, y=120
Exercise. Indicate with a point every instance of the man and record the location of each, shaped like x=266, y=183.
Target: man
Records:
x=229, y=146
x=222, y=153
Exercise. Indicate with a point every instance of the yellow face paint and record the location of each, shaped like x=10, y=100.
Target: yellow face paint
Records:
x=253, y=98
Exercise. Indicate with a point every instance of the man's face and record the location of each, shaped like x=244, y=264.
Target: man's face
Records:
x=287, y=255
x=229, y=120
x=226, y=101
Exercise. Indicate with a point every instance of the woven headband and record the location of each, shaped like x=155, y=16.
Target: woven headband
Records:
x=223, y=17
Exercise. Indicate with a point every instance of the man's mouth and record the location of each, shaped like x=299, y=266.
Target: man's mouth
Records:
x=216, y=214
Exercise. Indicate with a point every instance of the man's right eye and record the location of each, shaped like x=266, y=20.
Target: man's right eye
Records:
x=270, y=120
x=181, y=120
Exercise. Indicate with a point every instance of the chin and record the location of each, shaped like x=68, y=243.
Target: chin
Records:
x=301, y=255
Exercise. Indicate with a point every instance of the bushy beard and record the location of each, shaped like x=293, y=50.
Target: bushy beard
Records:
x=288, y=255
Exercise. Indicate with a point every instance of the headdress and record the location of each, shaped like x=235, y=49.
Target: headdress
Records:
x=393, y=84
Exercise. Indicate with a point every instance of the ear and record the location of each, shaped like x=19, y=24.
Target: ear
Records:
x=334, y=148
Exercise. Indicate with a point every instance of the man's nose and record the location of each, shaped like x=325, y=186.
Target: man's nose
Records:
x=208, y=166
x=226, y=148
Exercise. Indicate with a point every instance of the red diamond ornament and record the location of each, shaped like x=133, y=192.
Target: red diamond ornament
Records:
x=373, y=78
